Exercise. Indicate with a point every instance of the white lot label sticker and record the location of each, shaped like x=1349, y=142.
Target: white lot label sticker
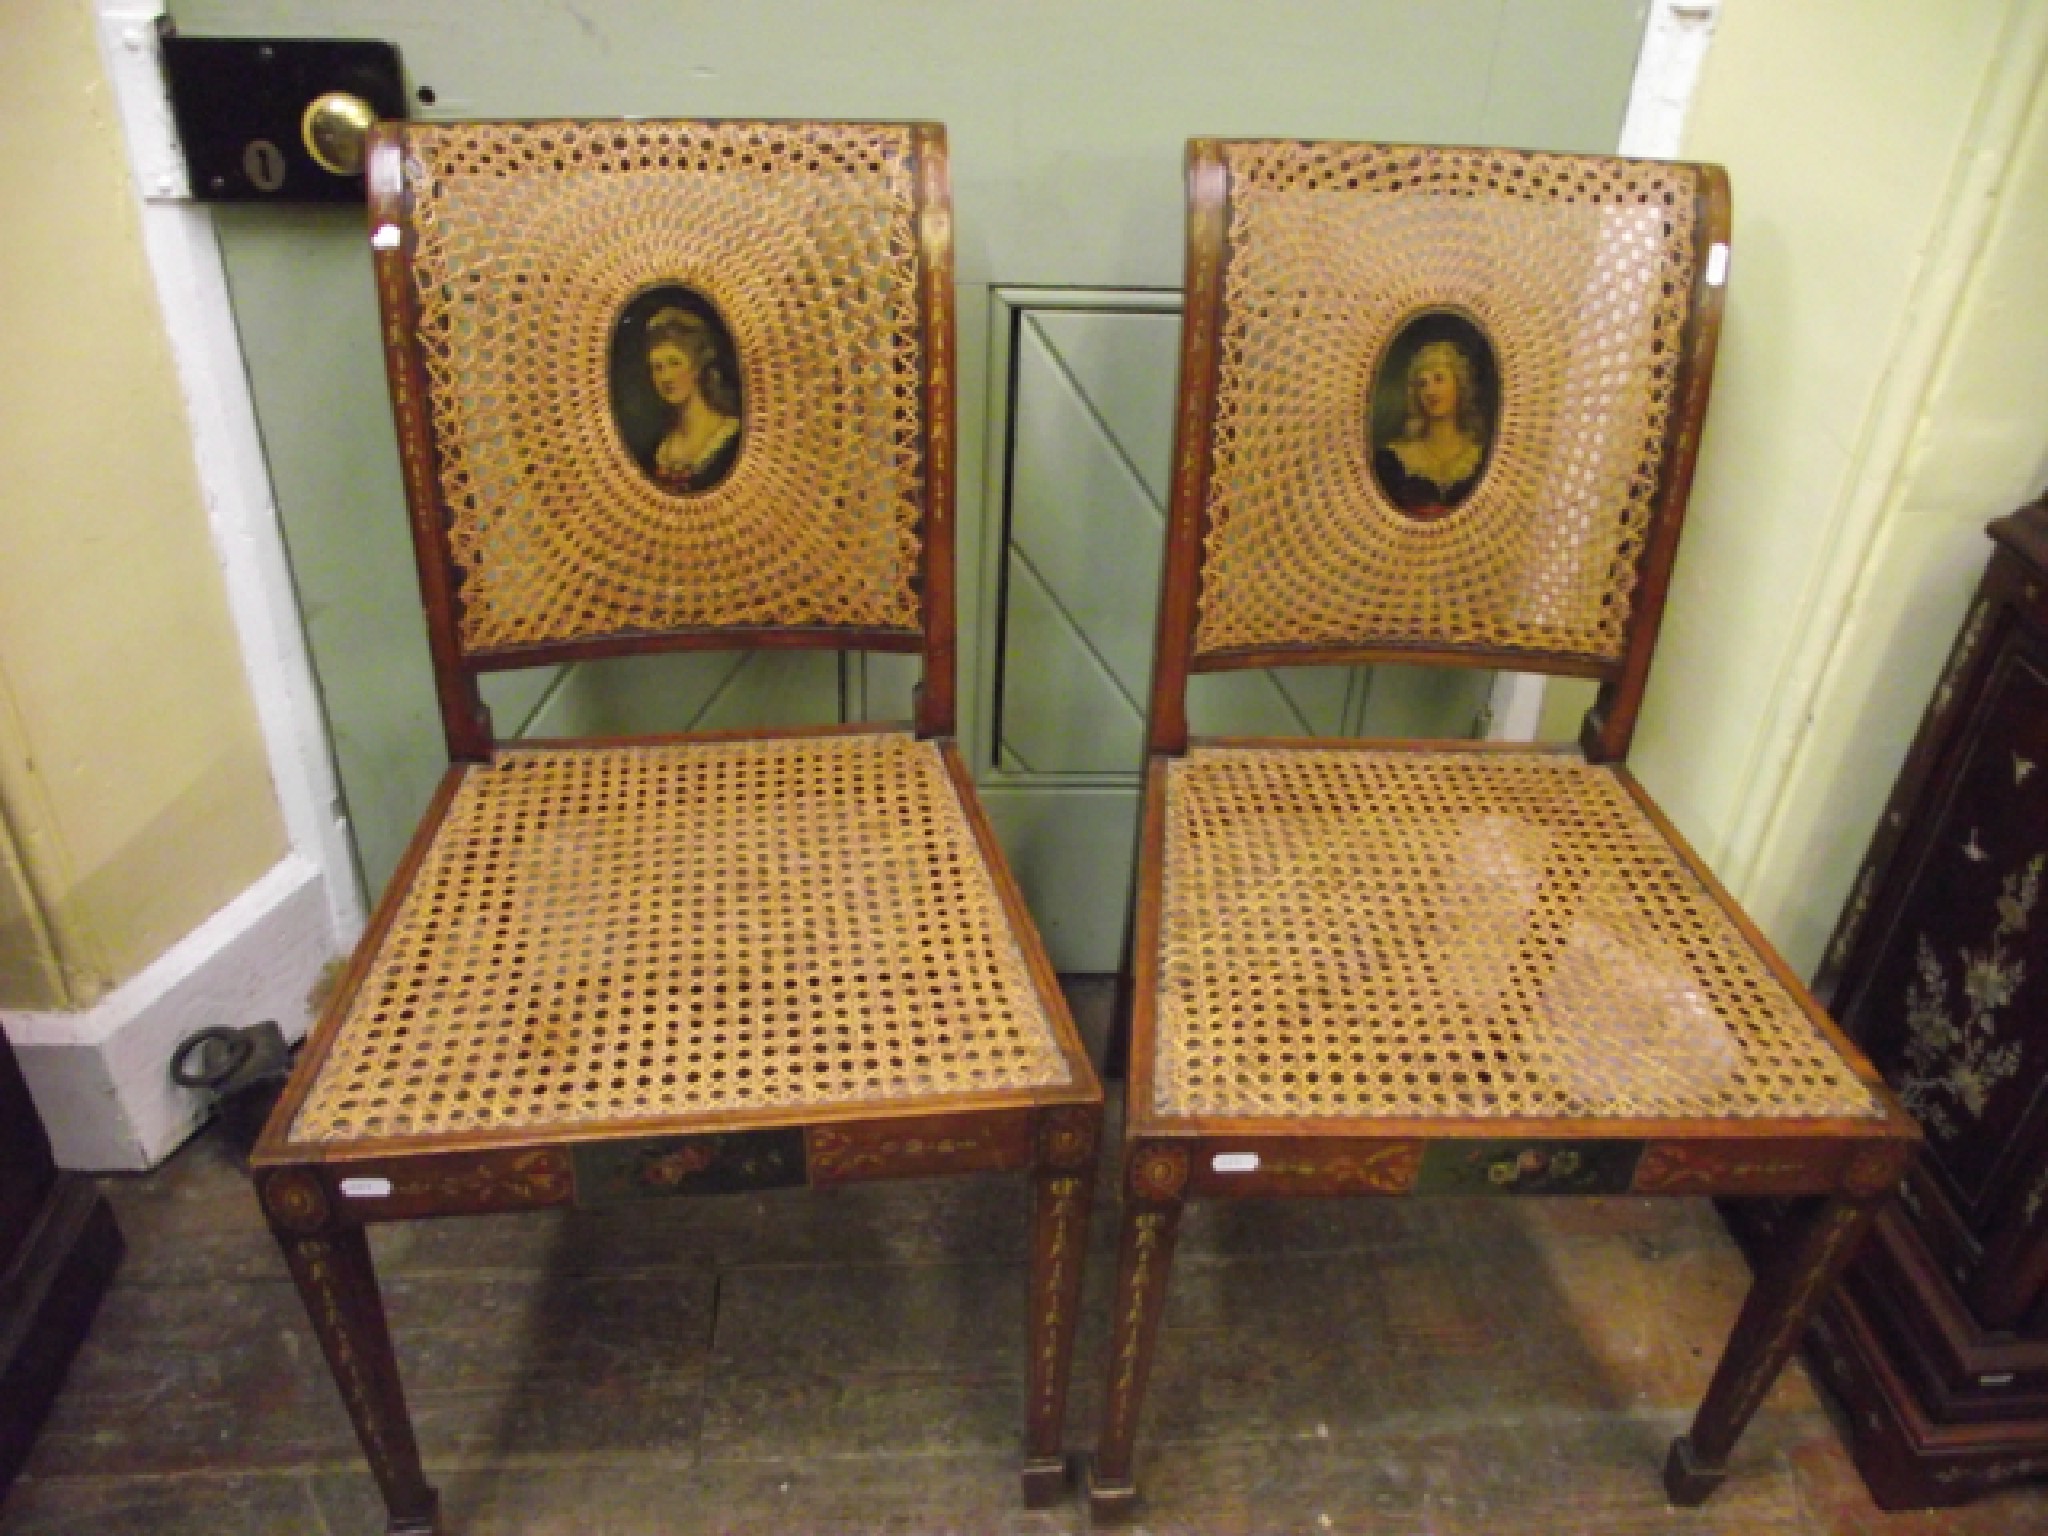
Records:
x=1717, y=265
x=365, y=1189
x=1235, y=1162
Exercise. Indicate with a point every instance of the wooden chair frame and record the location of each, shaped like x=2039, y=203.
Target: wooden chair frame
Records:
x=320, y=1197
x=1837, y=1172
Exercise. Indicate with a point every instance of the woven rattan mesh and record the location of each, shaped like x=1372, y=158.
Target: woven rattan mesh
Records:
x=1474, y=934
x=532, y=239
x=649, y=931
x=1579, y=273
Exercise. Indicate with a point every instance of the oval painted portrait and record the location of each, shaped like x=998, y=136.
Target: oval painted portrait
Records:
x=676, y=388
x=1435, y=402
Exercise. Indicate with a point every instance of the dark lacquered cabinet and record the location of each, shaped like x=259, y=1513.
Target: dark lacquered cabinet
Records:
x=58, y=1249
x=1937, y=1341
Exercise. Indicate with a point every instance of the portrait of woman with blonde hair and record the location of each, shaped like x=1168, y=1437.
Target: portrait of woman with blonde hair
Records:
x=1434, y=461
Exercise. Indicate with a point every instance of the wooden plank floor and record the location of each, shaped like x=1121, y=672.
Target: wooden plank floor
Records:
x=853, y=1363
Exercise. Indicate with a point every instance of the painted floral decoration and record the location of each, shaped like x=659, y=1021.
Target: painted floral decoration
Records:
x=1956, y=1063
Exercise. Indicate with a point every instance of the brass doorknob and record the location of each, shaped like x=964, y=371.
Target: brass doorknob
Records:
x=336, y=129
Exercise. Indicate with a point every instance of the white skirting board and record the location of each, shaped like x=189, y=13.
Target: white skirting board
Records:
x=101, y=1077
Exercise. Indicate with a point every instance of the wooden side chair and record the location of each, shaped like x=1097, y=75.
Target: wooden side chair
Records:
x=1442, y=406
x=669, y=386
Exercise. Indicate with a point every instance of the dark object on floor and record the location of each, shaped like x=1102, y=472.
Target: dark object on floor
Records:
x=242, y=1071
x=58, y=1251
x=1443, y=967
x=1938, y=1337
x=624, y=971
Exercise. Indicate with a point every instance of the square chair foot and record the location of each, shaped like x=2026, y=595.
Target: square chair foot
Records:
x=1686, y=1482
x=1045, y=1482
x=1111, y=1503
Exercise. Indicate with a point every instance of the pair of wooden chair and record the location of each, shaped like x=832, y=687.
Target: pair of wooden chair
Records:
x=666, y=386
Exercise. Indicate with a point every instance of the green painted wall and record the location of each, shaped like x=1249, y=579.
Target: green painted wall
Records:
x=1976, y=447
x=1773, y=727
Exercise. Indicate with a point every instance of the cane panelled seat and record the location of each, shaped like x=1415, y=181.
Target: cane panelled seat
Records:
x=1442, y=406
x=662, y=386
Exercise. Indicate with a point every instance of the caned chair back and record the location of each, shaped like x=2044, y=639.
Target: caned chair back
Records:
x=668, y=385
x=1436, y=405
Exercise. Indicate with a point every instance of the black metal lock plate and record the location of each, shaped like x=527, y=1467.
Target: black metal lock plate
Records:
x=239, y=103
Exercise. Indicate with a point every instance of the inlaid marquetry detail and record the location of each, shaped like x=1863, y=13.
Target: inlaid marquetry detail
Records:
x=1293, y=1167
x=1199, y=343
x=1058, y=1258
x=1148, y=1237
x=520, y=1179
x=1992, y=1472
x=297, y=1201
x=1382, y=1170
x=1067, y=1137
x=1705, y=1168
x=1958, y=1048
x=1159, y=1172
x=321, y=1286
x=1873, y=1169
x=936, y=228
x=843, y=1153
x=407, y=405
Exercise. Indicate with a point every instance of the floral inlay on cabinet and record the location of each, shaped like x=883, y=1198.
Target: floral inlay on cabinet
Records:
x=1955, y=1050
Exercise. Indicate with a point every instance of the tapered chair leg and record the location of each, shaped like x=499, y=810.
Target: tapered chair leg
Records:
x=330, y=1260
x=1823, y=1238
x=1156, y=1178
x=1063, y=1194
